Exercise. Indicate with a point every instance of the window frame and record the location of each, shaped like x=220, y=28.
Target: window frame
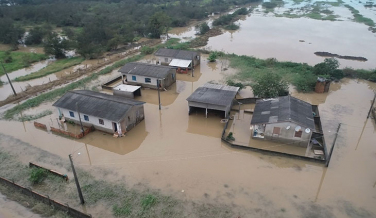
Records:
x=147, y=79
x=276, y=130
x=298, y=134
x=71, y=113
x=134, y=78
x=86, y=116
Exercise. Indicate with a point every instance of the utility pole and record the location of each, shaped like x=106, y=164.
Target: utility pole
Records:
x=370, y=109
x=192, y=65
x=331, y=150
x=159, y=93
x=79, y=117
x=10, y=82
x=76, y=180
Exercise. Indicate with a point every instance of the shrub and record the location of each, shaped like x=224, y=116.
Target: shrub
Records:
x=145, y=50
x=212, y=57
x=232, y=26
x=203, y=28
x=304, y=83
x=241, y=11
x=269, y=5
x=232, y=83
x=230, y=137
x=37, y=175
x=148, y=201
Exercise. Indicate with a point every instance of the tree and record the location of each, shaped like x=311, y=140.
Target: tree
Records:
x=159, y=24
x=10, y=33
x=328, y=67
x=55, y=45
x=269, y=85
x=36, y=36
x=202, y=28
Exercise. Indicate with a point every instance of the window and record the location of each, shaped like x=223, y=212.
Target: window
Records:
x=86, y=117
x=147, y=80
x=101, y=122
x=134, y=78
x=71, y=113
x=298, y=134
x=276, y=130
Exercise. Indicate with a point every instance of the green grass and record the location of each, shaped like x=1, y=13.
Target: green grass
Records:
x=36, y=116
x=56, y=66
x=19, y=60
x=49, y=96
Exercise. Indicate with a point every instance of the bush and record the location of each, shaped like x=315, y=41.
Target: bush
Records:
x=304, y=83
x=37, y=175
x=212, y=57
x=269, y=5
x=203, y=28
x=269, y=85
x=223, y=20
x=145, y=50
x=232, y=26
x=230, y=137
x=241, y=11
x=232, y=83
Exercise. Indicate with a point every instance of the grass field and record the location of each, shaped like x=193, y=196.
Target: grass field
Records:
x=52, y=68
x=19, y=60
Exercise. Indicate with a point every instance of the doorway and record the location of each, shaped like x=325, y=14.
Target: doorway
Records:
x=114, y=127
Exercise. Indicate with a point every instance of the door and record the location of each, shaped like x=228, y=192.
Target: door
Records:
x=114, y=127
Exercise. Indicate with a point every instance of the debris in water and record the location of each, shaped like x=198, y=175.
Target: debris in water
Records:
x=328, y=54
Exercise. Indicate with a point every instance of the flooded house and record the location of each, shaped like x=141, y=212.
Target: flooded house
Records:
x=212, y=97
x=178, y=58
x=148, y=75
x=108, y=113
x=286, y=120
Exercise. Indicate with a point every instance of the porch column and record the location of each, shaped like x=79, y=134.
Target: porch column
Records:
x=119, y=129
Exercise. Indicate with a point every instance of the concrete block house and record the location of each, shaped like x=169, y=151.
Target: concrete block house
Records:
x=108, y=113
x=148, y=75
x=178, y=58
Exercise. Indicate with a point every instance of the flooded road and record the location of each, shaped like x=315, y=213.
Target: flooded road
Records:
x=183, y=155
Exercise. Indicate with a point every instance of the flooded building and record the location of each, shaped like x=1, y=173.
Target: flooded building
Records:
x=148, y=75
x=108, y=113
x=127, y=91
x=284, y=119
x=213, y=97
x=178, y=58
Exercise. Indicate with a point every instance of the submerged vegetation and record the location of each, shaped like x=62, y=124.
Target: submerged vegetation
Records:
x=360, y=18
x=54, y=67
x=35, y=117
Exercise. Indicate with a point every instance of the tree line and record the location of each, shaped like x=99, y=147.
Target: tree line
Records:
x=92, y=27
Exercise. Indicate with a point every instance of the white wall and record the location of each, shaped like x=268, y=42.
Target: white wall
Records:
x=141, y=79
x=163, y=59
x=92, y=120
x=287, y=134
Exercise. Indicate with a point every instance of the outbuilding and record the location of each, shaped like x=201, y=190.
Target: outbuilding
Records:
x=178, y=58
x=213, y=97
x=148, y=75
x=108, y=113
x=127, y=91
x=284, y=119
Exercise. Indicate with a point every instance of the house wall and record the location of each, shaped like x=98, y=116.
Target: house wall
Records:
x=106, y=127
x=162, y=60
x=123, y=93
x=209, y=106
x=134, y=116
x=140, y=80
x=287, y=135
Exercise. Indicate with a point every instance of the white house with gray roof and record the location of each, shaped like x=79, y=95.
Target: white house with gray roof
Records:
x=148, y=75
x=285, y=119
x=108, y=113
x=178, y=58
x=213, y=97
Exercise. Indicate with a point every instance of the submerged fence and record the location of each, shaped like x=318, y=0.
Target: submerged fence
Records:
x=45, y=199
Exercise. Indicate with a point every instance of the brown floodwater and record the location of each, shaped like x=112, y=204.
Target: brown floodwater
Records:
x=173, y=151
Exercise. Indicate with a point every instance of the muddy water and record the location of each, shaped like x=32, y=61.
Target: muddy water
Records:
x=11, y=209
x=173, y=151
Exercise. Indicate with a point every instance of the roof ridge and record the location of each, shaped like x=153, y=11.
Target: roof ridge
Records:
x=115, y=100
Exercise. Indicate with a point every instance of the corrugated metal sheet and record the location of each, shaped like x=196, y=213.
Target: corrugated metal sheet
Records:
x=97, y=104
x=215, y=95
x=149, y=70
x=180, y=63
x=283, y=109
x=178, y=54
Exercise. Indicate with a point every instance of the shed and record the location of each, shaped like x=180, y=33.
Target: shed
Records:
x=127, y=91
x=148, y=75
x=109, y=113
x=178, y=58
x=213, y=97
x=286, y=119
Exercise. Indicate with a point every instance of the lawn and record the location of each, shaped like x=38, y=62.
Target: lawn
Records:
x=17, y=60
x=52, y=68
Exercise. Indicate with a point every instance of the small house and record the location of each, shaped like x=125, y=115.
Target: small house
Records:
x=108, y=113
x=178, y=58
x=213, y=97
x=284, y=119
x=127, y=91
x=148, y=75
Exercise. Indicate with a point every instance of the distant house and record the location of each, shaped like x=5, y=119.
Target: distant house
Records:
x=212, y=97
x=285, y=119
x=108, y=113
x=148, y=75
x=178, y=58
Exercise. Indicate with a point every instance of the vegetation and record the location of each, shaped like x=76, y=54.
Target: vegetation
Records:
x=48, y=96
x=359, y=18
x=202, y=28
x=51, y=68
x=212, y=56
x=236, y=84
x=232, y=26
x=55, y=45
x=145, y=50
x=17, y=60
x=230, y=137
x=228, y=19
x=269, y=85
x=34, y=117
x=328, y=69
x=37, y=175
x=1, y=83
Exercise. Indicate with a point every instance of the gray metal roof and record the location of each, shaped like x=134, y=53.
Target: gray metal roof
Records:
x=178, y=54
x=97, y=104
x=283, y=109
x=149, y=70
x=214, y=94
